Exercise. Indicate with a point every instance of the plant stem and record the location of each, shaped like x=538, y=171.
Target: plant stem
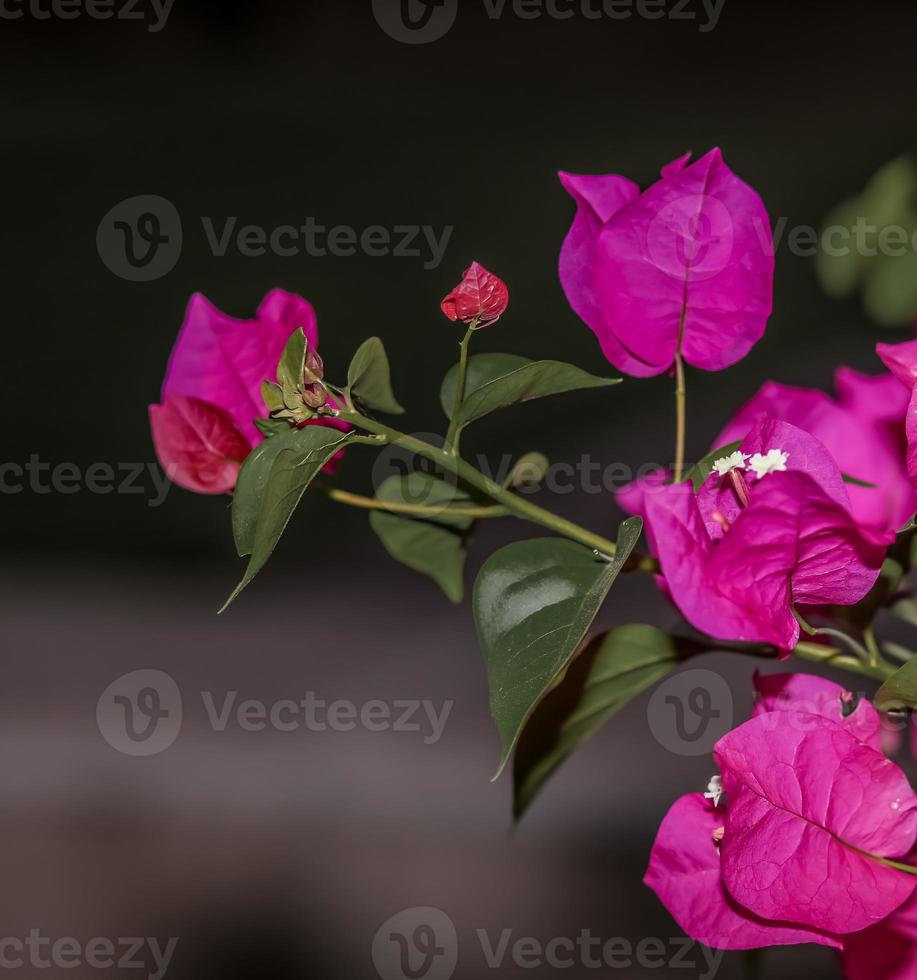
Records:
x=418, y=510
x=835, y=658
x=455, y=465
x=452, y=436
x=680, y=415
x=875, y=655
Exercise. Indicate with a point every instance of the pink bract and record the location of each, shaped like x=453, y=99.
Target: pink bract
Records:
x=685, y=873
x=198, y=444
x=807, y=802
x=224, y=361
x=863, y=431
x=688, y=264
x=736, y=571
x=480, y=296
x=807, y=694
x=887, y=951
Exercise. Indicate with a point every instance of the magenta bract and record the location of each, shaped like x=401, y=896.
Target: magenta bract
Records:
x=687, y=265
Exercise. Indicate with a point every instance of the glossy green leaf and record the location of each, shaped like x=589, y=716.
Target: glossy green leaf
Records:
x=533, y=603
x=900, y=690
x=612, y=669
x=369, y=378
x=497, y=381
x=314, y=446
x=700, y=473
x=434, y=545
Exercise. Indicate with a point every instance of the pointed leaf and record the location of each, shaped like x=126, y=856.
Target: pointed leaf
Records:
x=613, y=669
x=435, y=545
x=313, y=444
x=482, y=369
x=900, y=690
x=536, y=379
x=369, y=378
x=292, y=364
x=533, y=603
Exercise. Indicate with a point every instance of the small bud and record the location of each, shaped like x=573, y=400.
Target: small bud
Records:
x=480, y=297
x=314, y=369
x=315, y=396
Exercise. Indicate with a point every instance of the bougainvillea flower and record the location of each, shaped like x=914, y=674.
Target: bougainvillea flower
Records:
x=863, y=431
x=886, y=951
x=480, y=296
x=224, y=361
x=809, y=809
x=687, y=265
x=806, y=694
x=211, y=395
x=198, y=444
x=740, y=554
x=685, y=873
x=901, y=360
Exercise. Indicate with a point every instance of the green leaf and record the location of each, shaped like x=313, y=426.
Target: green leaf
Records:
x=528, y=471
x=854, y=482
x=900, y=690
x=292, y=364
x=482, y=369
x=700, y=473
x=271, y=427
x=369, y=378
x=530, y=380
x=435, y=545
x=271, y=483
x=533, y=603
x=611, y=670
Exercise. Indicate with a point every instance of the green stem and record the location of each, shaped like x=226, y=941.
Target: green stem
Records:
x=452, y=436
x=875, y=655
x=417, y=510
x=455, y=465
x=680, y=415
x=835, y=658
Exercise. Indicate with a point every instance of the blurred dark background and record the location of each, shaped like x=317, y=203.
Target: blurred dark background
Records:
x=279, y=854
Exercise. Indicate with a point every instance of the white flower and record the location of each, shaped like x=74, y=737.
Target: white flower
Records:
x=773, y=462
x=714, y=790
x=736, y=461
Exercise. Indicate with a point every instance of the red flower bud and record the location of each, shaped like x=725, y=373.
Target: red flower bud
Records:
x=480, y=296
